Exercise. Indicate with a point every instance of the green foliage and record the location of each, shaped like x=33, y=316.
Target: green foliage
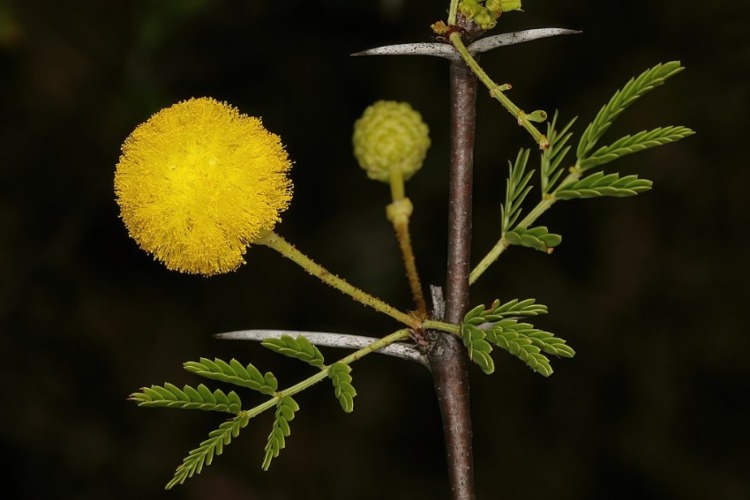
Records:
x=552, y=157
x=170, y=396
x=187, y=398
x=483, y=327
x=213, y=446
x=575, y=184
x=516, y=190
x=634, y=89
x=598, y=184
x=339, y=373
x=234, y=373
x=538, y=238
x=632, y=144
x=299, y=348
x=285, y=409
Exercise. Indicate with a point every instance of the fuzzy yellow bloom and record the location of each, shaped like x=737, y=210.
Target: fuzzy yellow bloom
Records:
x=198, y=182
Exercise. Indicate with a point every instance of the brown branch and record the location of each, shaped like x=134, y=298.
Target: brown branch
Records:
x=448, y=357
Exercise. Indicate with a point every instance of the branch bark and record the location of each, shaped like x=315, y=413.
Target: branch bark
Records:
x=447, y=357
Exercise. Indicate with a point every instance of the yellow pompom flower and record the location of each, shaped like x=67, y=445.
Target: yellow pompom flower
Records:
x=198, y=182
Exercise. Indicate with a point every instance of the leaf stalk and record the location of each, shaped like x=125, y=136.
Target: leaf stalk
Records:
x=497, y=91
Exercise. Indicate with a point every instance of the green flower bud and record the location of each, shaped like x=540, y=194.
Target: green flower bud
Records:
x=509, y=5
x=495, y=6
x=485, y=20
x=469, y=8
x=390, y=135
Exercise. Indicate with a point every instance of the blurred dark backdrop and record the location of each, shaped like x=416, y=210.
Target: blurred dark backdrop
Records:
x=648, y=290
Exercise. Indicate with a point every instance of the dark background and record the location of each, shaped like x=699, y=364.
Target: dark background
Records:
x=648, y=290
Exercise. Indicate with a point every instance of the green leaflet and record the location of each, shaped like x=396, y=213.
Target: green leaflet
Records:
x=299, y=348
x=213, y=446
x=187, y=398
x=339, y=373
x=476, y=312
x=538, y=238
x=285, y=410
x=599, y=184
x=234, y=373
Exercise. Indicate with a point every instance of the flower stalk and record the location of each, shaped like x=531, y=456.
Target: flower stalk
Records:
x=399, y=213
x=276, y=242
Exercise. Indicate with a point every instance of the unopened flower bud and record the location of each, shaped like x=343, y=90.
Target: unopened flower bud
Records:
x=494, y=6
x=509, y=5
x=390, y=135
x=484, y=19
x=469, y=8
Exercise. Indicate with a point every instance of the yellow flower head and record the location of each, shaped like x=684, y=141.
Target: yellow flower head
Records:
x=198, y=182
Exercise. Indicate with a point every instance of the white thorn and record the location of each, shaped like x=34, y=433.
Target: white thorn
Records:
x=414, y=49
x=341, y=340
x=493, y=42
x=445, y=50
